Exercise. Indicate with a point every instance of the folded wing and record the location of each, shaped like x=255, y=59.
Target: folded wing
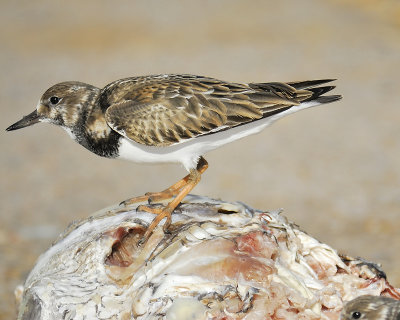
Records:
x=167, y=111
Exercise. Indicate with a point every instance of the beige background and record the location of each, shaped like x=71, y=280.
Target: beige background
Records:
x=335, y=170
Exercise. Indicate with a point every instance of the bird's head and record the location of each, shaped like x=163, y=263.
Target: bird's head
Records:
x=62, y=104
x=370, y=308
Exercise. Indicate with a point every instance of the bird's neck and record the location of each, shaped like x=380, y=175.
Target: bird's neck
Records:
x=93, y=133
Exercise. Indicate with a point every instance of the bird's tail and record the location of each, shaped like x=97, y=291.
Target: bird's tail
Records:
x=317, y=91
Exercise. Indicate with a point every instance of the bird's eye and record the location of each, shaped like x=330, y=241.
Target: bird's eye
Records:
x=54, y=100
x=356, y=315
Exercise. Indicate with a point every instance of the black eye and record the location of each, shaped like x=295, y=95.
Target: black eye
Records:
x=54, y=100
x=356, y=315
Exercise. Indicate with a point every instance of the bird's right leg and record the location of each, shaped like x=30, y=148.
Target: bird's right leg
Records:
x=168, y=192
x=166, y=212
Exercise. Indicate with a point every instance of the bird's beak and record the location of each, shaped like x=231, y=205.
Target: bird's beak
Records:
x=26, y=121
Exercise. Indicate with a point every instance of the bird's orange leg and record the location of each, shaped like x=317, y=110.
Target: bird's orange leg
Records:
x=170, y=191
x=158, y=196
x=185, y=186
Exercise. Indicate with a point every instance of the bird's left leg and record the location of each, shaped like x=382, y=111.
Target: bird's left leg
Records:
x=158, y=196
x=193, y=179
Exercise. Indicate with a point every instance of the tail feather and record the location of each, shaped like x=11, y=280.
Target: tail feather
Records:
x=318, y=91
x=308, y=83
x=305, y=94
x=294, y=92
x=328, y=99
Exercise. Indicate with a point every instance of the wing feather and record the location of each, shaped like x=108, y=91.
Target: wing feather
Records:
x=165, y=110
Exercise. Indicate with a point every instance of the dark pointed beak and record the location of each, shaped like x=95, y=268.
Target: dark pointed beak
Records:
x=26, y=121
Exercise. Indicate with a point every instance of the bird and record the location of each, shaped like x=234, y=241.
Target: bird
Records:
x=170, y=118
x=371, y=308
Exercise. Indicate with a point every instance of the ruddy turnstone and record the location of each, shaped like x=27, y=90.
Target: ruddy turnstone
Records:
x=169, y=118
x=371, y=308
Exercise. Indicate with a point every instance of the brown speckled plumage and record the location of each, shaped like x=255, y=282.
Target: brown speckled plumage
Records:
x=160, y=110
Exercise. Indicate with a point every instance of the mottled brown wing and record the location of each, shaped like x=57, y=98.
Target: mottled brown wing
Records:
x=169, y=111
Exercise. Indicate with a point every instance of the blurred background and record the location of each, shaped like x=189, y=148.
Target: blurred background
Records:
x=335, y=170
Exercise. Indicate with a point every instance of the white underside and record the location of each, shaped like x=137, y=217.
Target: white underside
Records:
x=188, y=152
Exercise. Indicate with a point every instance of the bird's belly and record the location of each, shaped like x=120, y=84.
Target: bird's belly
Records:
x=136, y=152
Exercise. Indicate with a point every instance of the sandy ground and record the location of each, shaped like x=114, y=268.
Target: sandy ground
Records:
x=335, y=170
